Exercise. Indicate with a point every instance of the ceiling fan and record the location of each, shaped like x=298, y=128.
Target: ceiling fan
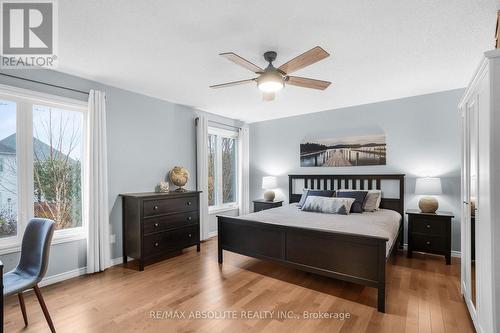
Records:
x=272, y=79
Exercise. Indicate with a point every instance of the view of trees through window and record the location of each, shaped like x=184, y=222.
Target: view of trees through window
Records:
x=228, y=170
x=57, y=170
x=222, y=180
x=8, y=169
x=212, y=155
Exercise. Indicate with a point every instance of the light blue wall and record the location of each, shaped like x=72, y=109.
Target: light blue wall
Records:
x=146, y=138
x=422, y=135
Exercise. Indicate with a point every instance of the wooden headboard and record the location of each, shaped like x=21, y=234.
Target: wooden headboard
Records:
x=355, y=182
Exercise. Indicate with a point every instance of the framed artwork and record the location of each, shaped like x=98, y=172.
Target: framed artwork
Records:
x=344, y=152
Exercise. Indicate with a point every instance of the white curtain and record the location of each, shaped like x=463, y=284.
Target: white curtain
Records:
x=202, y=172
x=98, y=242
x=243, y=170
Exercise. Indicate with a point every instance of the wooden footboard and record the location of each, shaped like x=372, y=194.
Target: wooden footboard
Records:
x=354, y=258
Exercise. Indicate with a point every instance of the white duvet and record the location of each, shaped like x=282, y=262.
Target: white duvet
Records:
x=383, y=223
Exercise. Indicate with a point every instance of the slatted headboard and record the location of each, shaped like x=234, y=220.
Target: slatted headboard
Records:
x=357, y=182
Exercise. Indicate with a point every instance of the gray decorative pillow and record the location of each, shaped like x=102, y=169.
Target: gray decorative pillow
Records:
x=357, y=206
x=314, y=193
x=328, y=205
x=372, y=199
x=303, y=198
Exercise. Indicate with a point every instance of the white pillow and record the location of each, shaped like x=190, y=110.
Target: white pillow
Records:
x=328, y=205
x=372, y=199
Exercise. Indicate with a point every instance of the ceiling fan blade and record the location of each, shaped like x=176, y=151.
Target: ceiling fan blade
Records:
x=268, y=96
x=305, y=59
x=234, y=83
x=241, y=61
x=307, y=83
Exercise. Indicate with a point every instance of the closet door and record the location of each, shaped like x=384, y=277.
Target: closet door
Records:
x=473, y=197
x=470, y=177
x=464, y=197
x=481, y=207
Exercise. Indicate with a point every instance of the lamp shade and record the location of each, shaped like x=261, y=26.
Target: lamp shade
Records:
x=428, y=186
x=269, y=182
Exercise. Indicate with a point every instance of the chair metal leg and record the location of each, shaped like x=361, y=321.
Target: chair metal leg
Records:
x=44, y=308
x=23, y=307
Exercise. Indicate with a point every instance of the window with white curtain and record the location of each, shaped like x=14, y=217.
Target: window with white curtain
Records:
x=42, y=144
x=222, y=169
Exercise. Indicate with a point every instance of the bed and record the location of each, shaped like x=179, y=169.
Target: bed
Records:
x=352, y=248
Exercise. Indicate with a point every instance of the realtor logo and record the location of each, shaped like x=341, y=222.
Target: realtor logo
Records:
x=28, y=34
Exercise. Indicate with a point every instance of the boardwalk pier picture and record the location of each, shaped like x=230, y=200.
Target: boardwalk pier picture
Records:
x=343, y=152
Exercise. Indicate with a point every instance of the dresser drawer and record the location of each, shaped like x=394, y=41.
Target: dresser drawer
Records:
x=162, y=223
x=173, y=205
x=170, y=240
x=429, y=226
x=428, y=243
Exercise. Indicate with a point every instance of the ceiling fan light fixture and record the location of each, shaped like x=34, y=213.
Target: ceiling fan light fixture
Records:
x=270, y=81
x=270, y=86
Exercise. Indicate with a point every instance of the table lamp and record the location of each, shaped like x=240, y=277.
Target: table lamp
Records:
x=269, y=183
x=428, y=186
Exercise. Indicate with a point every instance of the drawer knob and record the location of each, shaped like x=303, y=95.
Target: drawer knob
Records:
x=157, y=244
x=155, y=207
x=189, y=203
x=189, y=235
x=428, y=243
x=189, y=218
x=157, y=225
x=428, y=226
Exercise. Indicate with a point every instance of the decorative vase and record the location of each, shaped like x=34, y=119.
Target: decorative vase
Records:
x=179, y=176
x=164, y=187
x=428, y=205
x=269, y=195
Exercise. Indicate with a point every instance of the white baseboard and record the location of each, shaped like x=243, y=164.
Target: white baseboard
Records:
x=63, y=276
x=455, y=254
x=119, y=261
x=73, y=273
x=212, y=234
x=116, y=261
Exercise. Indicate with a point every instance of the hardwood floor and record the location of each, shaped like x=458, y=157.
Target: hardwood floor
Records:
x=423, y=295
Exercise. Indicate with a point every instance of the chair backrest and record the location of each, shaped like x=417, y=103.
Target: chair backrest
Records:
x=36, y=246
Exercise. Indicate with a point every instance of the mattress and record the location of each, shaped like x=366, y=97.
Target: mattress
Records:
x=383, y=223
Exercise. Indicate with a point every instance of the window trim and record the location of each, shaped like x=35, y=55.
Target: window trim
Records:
x=24, y=100
x=223, y=133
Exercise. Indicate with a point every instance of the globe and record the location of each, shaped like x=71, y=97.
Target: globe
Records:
x=179, y=176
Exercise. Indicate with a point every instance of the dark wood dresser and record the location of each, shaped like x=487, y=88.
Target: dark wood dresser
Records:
x=429, y=232
x=155, y=224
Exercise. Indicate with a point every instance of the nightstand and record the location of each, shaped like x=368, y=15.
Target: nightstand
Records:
x=262, y=204
x=429, y=232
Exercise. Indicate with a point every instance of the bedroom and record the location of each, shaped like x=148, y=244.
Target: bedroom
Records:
x=172, y=205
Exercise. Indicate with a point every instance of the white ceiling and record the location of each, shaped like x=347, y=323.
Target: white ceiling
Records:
x=380, y=50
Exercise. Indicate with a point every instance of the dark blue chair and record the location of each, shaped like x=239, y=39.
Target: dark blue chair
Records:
x=32, y=265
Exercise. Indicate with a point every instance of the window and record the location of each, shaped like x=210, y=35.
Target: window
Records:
x=212, y=155
x=57, y=169
x=8, y=174
x=49, y=181
x=222, y=169
x=228, y=147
